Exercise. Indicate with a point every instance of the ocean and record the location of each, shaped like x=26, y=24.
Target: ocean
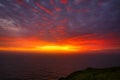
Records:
x=37, y=66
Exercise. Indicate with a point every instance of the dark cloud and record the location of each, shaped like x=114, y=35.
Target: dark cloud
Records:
x=59, y=19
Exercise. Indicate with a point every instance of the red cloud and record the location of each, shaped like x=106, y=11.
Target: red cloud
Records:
x=64, y=1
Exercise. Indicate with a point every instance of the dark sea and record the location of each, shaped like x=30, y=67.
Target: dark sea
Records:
x=32, y=66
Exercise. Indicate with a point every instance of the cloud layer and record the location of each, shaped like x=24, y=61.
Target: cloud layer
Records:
x=61, y=20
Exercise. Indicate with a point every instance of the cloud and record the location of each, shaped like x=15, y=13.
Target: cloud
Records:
x=10, y=27
x=51, y=20
x=7, y=24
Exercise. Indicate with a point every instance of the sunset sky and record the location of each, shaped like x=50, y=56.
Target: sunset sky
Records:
x=59, y=25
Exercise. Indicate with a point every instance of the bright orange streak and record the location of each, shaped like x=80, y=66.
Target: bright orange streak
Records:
x=45, y=48
x=52, y=48
x=77, y=44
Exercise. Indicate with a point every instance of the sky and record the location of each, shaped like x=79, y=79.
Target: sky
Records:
x=68, y=25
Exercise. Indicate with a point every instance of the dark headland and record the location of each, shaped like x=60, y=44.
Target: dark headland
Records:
x=95, y=74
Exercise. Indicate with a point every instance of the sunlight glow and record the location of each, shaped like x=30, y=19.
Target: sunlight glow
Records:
x=45, y=49
x=56, y=48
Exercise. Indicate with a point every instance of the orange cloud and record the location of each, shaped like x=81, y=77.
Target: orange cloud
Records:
x=75, y=44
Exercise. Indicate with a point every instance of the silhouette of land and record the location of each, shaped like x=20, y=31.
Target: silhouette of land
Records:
x=95, y=74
